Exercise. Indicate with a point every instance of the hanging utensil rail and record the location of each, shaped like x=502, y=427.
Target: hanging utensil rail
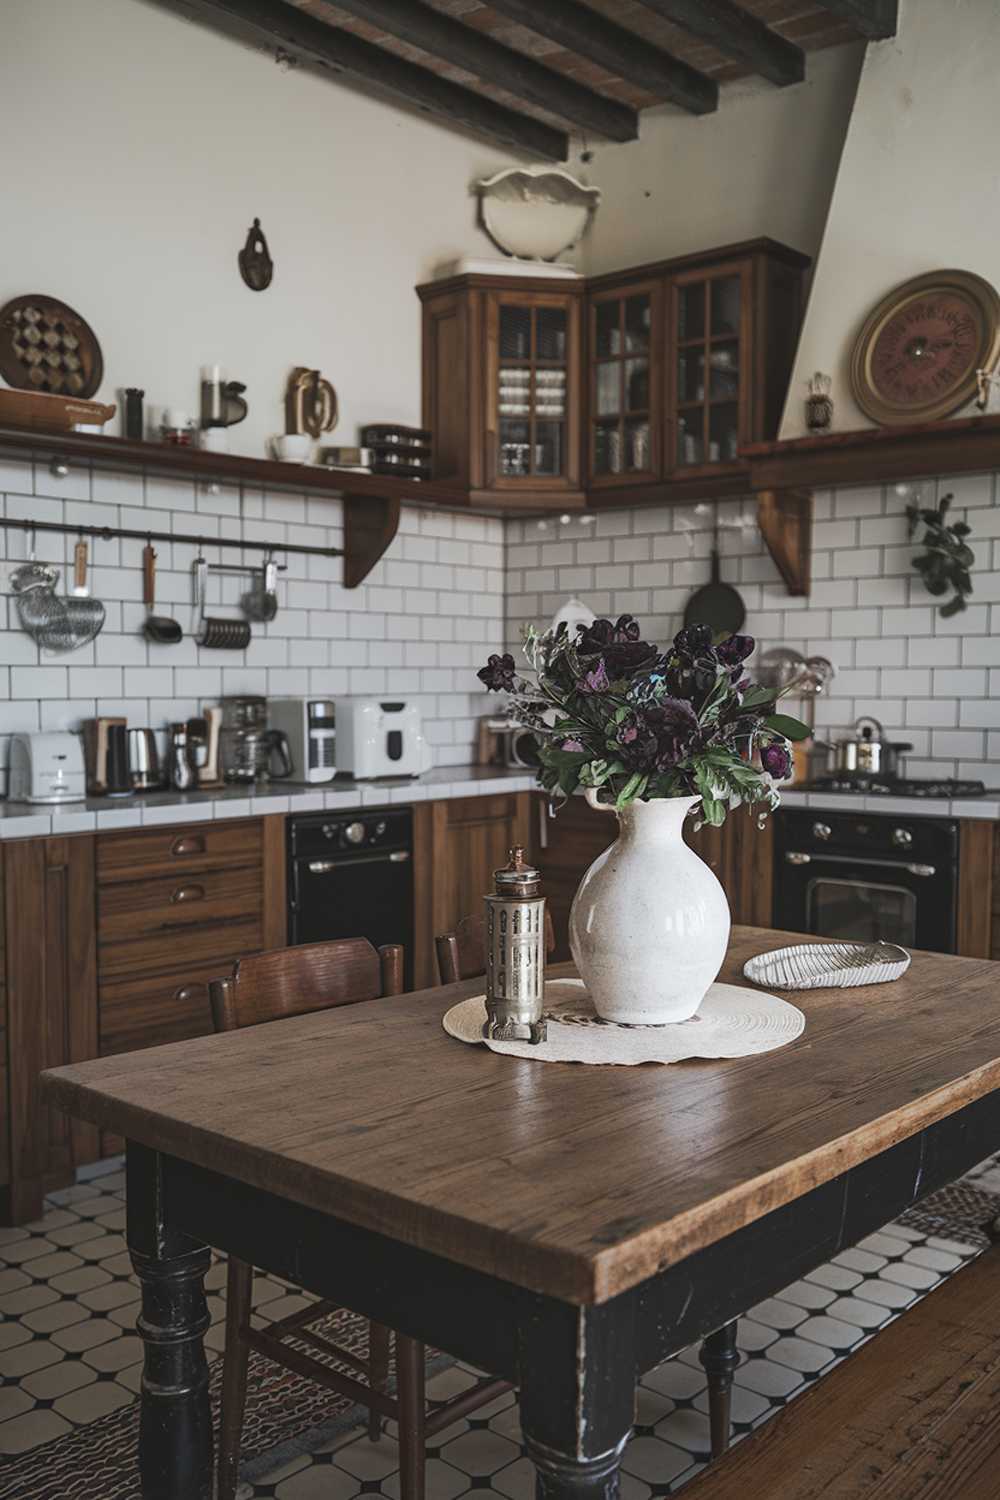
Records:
x=109, y=533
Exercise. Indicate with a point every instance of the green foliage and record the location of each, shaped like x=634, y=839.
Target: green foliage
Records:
x=947, y=559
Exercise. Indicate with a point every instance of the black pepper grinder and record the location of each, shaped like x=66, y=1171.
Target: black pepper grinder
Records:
x=134, y=420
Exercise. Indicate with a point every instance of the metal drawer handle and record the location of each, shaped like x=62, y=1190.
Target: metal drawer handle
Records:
x=188, y=843
x=188, y=991
x=187, y=893
x=793, y=857
x=324, y=866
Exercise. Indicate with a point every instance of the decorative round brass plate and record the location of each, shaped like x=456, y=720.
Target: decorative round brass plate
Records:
x=915, y=359
x=45, y=346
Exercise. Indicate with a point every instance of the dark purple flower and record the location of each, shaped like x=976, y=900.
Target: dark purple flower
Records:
x=776, y=761
x=657, y=737
x=735, y=649
x=596, y=680
x=499, y=673
x=693, y=640
x=618, y=647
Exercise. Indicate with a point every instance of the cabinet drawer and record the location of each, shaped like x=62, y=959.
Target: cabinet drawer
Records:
x=199, y=916
x=146, y=1011
x=180, y=849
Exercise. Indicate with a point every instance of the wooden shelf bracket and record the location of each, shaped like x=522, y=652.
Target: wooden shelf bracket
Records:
x=785, y=521
x=370, y=524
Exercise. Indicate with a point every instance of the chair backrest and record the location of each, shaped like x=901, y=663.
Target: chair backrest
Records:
x=462, y=954
x=295, y=981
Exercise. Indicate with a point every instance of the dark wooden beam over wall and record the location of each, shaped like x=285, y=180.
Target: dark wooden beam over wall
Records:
x=543, y=88
x=621, y=52
x=735, y=32
x=331, y=49
x=874, y=19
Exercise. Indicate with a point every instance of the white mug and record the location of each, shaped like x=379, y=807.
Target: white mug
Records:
x=293, y=447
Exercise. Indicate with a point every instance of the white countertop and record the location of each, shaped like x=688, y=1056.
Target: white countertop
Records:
x=986, y=806
x=22, y=820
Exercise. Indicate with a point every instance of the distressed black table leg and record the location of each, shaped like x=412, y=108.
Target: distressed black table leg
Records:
x=721, y=1360
x=175, y=1426
x=577, y=1372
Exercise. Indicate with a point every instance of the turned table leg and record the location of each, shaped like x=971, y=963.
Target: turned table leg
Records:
x=175, y=1427
x=577, y=1380
x=720, y=1358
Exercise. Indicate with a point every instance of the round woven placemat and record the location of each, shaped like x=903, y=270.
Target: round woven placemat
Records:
x=731, y=1022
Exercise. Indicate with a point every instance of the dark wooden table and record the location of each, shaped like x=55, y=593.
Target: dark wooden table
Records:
x=565, y=1227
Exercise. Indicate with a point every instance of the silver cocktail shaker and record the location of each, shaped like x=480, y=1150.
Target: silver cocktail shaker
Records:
x=515, y=955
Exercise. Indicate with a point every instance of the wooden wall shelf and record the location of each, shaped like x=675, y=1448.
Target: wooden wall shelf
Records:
x=874, y=455
x=371, y=501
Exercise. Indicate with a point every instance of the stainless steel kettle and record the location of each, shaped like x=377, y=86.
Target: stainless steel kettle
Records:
x=869, y=753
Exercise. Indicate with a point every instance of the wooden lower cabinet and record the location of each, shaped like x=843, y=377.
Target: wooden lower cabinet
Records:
x=51, y=985
x=457, y=846
x=109, y=941
x=565, y=845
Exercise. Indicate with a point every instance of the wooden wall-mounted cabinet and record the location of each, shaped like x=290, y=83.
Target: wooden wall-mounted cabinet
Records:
x=702, y=347
x=634, y=388
x=501, y=388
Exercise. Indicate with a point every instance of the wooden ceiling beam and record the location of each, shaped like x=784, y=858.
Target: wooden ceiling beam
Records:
x=874, y=19
x=621, y=52
x=492, y=62
x=274, y=23
x=736, y=33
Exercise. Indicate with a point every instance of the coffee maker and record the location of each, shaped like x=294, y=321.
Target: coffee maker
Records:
x=250, y=750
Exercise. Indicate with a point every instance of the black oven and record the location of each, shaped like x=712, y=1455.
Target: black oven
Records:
x=867, y=876
x=350, y=874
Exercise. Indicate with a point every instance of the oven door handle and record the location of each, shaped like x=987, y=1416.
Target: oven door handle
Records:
x=924, y=872
x=324, y=866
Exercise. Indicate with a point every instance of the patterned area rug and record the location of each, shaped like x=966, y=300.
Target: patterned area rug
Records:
x=285, y=1415
x=959, y=1211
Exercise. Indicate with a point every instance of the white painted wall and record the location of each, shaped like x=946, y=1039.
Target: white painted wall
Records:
x=145, y=146
x=764, y=164
x=918, y=187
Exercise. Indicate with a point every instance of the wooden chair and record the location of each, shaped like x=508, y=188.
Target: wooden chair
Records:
x=269, y=987
x=462, y=955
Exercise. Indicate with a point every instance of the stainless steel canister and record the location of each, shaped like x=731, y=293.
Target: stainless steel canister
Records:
x=515, y=955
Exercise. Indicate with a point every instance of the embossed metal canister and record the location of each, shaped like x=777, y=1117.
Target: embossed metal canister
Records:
x=515, y=955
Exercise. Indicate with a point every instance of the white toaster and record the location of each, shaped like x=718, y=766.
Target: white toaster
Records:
x=46, y=768
x=380, y=737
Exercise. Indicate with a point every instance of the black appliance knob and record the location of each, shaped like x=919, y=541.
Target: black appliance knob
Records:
x=822, y=831
x=354, y=833
x=902, y=838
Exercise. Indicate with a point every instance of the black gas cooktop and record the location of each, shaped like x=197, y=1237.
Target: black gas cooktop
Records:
x=886, y=786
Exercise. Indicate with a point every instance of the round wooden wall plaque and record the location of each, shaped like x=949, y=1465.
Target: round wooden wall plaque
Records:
x=46, y=346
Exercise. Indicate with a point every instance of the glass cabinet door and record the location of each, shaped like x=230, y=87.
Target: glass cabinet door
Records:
x=623, y=378
x=709, y=395
x=533, y=390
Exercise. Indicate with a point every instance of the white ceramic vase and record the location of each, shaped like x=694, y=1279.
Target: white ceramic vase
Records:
x=649, y=925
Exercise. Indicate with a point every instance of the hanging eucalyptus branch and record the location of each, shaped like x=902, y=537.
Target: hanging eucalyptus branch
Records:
x=947, y=558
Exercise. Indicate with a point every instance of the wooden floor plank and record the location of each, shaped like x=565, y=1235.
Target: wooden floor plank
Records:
x=912, y=1415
